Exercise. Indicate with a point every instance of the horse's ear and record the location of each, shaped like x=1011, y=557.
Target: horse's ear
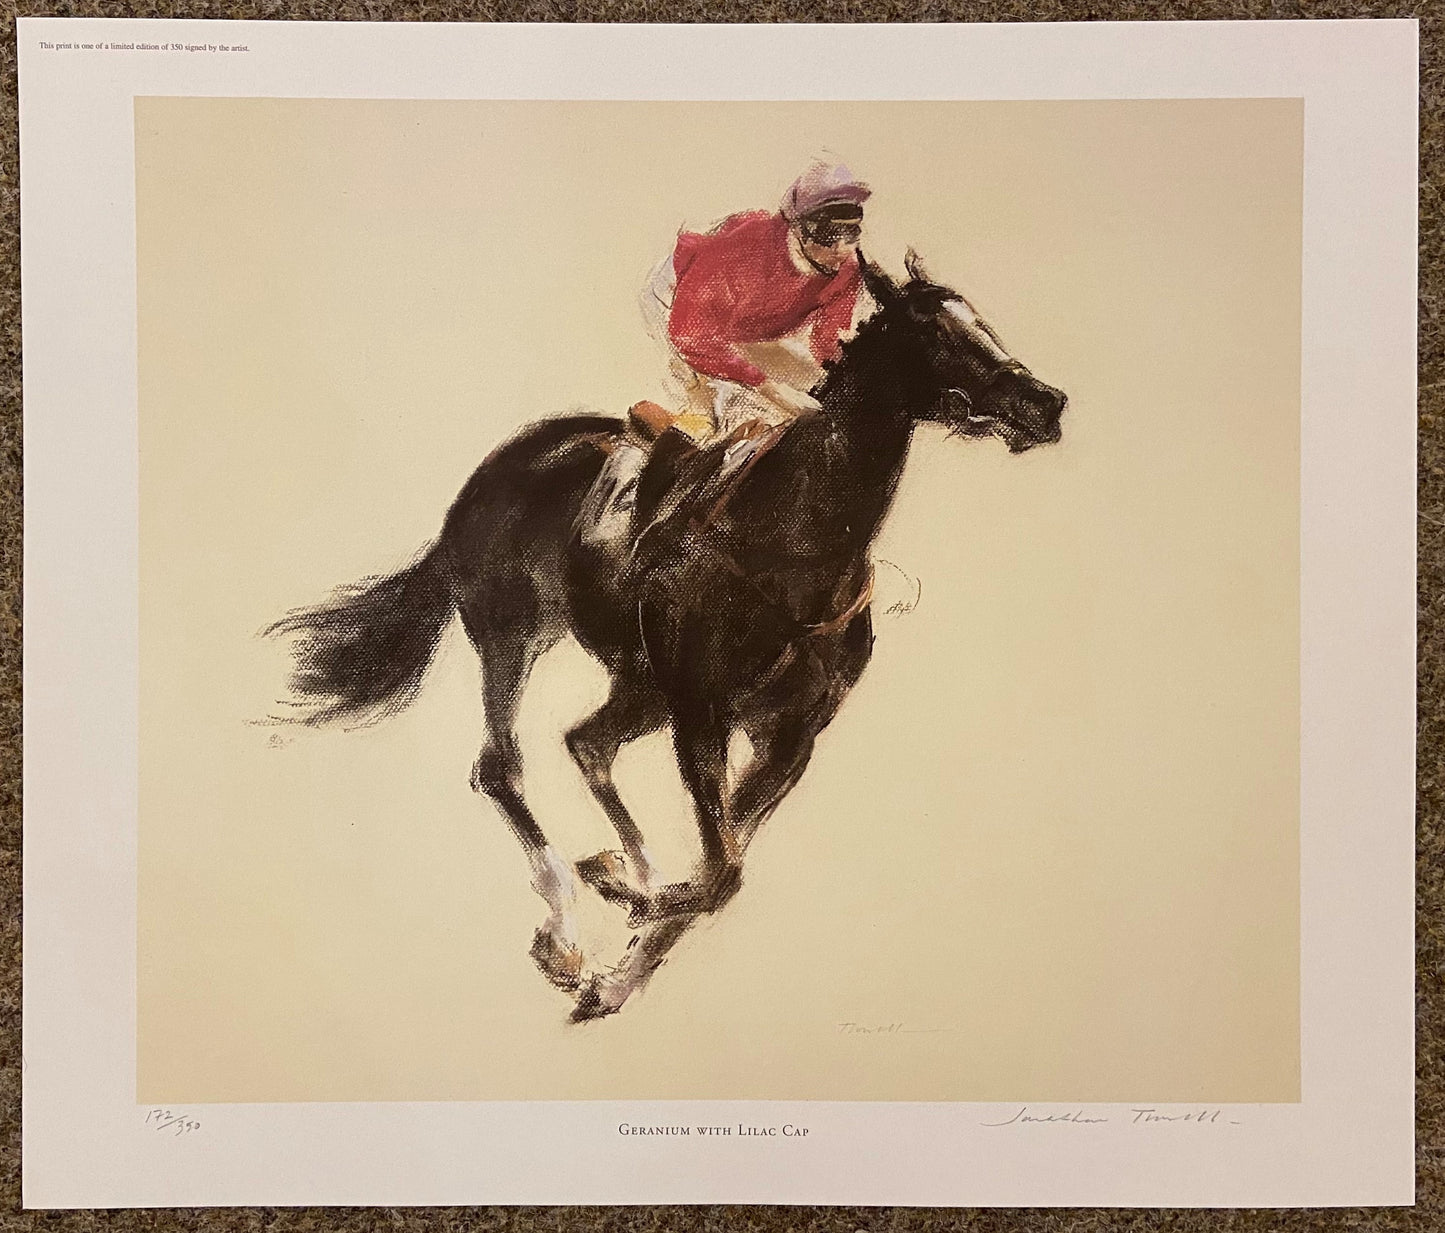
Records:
x=880, y=286
x=914, y=266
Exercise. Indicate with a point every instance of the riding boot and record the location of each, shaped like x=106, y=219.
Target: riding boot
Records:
x=659, y=476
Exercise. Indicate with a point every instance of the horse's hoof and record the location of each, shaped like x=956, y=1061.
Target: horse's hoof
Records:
x=560, y=964
x=608, y=874
x=592, y=1005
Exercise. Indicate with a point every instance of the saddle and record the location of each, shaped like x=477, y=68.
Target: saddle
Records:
x=684, y=490
x=680, y=475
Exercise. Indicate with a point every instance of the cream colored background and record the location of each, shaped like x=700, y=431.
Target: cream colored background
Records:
x=1053, y=832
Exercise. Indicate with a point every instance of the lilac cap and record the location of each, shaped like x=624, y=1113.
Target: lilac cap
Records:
x=823, y=184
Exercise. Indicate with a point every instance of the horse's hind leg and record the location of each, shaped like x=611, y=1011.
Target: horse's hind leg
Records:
x=632, y=710
x=507, y=631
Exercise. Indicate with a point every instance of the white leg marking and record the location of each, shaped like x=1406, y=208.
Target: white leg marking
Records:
x=553, y=879
x=613, y=988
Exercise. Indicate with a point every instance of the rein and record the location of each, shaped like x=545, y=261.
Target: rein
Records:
x=811, y=629
x=789, y=654
x=841, y=621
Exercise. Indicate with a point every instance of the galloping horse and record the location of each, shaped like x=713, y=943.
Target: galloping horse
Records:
x=742, y=606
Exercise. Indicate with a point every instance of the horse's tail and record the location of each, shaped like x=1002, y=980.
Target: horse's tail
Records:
x=361, y=656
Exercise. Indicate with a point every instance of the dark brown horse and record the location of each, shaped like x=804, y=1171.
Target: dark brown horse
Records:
x=741, y=606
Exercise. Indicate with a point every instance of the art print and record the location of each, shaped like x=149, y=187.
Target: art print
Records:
x=710, y=600
x=926, y=578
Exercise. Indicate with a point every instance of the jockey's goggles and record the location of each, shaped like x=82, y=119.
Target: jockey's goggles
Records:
x=841, y=223
x=829, y=232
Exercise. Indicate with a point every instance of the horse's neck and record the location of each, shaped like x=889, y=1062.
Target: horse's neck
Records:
x=870, y=418
x=873, y=416
x=823, y=495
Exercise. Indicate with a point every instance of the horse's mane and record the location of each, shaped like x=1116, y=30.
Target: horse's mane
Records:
x=873, y=328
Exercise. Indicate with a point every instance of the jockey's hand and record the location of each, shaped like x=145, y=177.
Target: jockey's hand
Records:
x=793, y=401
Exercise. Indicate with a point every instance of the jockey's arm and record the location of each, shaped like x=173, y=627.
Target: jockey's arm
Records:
x=793, y=401
x=701, y=328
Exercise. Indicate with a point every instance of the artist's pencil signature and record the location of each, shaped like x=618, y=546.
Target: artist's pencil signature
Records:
x=1149, y=1116
x=164, y=1121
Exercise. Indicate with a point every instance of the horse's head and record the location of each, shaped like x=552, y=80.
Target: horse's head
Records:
x=974, y=386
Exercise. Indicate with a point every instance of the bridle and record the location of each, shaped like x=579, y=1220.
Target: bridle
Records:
x=1007, y=365
x=1017, y=367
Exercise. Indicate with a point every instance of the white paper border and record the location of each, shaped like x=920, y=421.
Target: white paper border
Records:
x=1349, y=1141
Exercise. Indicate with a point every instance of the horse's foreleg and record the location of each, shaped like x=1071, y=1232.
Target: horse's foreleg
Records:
x=782, y=751
x=605, y=993
x=784, y=723
x=631, y=711
x=779, y=759
x=701, y=742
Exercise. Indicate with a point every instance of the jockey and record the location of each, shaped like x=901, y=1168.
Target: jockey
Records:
x=747, y=312
x=733, y=305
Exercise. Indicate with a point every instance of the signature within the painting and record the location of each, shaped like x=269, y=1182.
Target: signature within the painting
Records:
x=849, y=1028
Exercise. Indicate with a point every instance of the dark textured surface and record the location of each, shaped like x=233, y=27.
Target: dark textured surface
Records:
x=1430, y=954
